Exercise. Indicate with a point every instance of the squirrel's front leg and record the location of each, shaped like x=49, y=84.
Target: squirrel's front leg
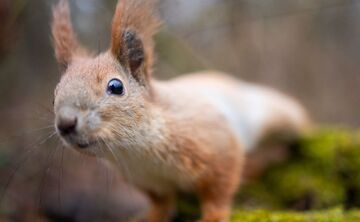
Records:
x=216, y=192
x=161, y=208
x=215, y=207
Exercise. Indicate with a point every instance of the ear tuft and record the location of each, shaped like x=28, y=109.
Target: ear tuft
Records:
x=65, y=42
x=135, y=50
x=134, y=25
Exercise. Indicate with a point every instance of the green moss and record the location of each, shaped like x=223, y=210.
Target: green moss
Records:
x=322, y=173
x=301, y=182
x=333, y=215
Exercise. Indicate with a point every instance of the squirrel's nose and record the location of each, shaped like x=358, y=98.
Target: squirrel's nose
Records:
x=66, y=121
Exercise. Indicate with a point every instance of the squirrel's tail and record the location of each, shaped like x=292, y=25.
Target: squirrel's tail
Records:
x=288, y=120
x=277, y=123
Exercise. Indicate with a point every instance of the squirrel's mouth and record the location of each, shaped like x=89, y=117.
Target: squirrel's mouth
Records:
x=78, y=143
x=90, y=148
x=85, y=145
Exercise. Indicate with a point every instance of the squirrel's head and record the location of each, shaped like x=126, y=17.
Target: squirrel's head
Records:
x=104, y=97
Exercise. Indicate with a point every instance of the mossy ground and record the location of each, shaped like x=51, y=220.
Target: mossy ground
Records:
x=323, y=171
x=320, y=181
x=332, y=215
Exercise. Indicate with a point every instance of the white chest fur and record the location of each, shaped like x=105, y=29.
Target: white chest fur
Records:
x=152, y=173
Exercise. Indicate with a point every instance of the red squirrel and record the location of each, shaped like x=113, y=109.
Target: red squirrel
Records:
x=187, y=134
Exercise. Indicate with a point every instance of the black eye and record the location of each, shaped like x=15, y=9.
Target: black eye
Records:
x=115, y=87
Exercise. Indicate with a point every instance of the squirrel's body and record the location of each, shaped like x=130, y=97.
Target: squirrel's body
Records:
x=177, y=145
x=190, y=133
x=250, y=110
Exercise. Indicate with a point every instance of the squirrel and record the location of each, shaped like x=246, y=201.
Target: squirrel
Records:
x=189, y=134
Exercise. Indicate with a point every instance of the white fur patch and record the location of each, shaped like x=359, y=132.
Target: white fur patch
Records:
x=249, y=109
x=246, y=121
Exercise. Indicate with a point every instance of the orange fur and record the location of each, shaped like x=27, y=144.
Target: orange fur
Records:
x=139, y=17
x=188, y=134
x=64, y=38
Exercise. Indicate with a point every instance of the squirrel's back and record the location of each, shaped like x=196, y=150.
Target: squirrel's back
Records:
x=252, y=111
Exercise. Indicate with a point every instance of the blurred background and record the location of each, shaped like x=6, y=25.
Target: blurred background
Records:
x=309, y=49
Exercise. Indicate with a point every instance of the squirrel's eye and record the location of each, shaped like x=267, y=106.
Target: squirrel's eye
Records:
x=115, y=87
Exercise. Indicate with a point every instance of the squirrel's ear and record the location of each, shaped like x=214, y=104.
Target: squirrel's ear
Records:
x=133, y=27
x=65, y=42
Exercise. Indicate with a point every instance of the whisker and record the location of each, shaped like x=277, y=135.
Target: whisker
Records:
x=46, y=171
x=44, y=113
x=14, y=171
x=109, y=180
x=83, y=159
x=46, y=109
x=25, y=132
x=30, y=150
x=61, y=173
x=48, y=138
x=13, y=113
x=107, y=173
x=38, y=129
x=119, y=161
x=127, y=177
x=44, y=127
